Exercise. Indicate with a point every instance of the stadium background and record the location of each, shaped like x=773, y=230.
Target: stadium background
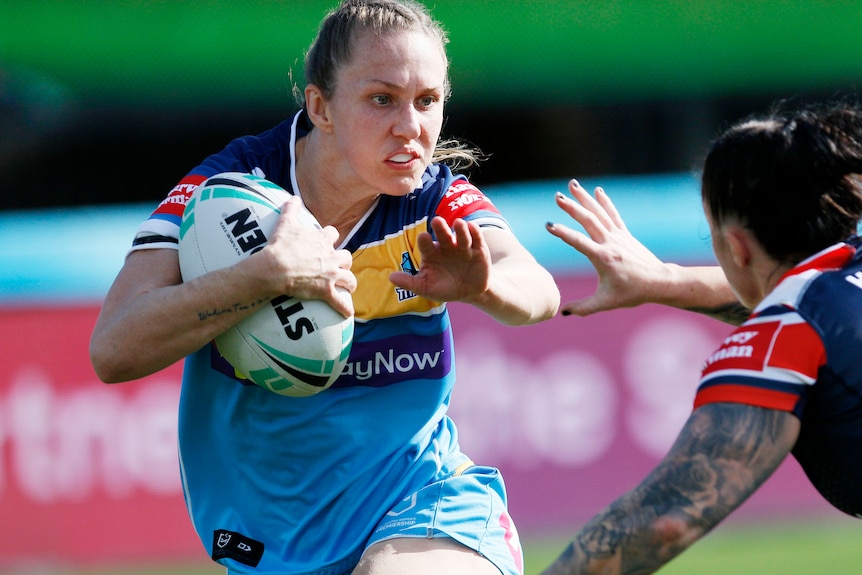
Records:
x=105, y=105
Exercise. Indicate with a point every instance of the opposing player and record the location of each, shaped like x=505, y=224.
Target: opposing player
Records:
x=782, y=195
x=366, y=477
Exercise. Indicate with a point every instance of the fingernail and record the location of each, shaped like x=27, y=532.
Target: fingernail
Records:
x=566, y=312
x=549, y=225
x=559, y=195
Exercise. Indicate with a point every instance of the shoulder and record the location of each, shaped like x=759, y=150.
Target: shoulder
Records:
x=830, y=300
x=455, y=197
x=266, y=153
x=825, y=288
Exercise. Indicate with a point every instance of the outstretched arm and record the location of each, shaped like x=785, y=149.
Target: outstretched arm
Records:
x=630, y=274
x=722, y=455
x=489, y=269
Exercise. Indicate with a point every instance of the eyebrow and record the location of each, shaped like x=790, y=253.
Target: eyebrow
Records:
x=394, y=86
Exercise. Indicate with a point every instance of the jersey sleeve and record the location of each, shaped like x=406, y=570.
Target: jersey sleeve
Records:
x=162, y=228
x=771, y=361
x=465, y=201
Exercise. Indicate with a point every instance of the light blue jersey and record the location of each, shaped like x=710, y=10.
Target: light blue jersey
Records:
x=278, y=484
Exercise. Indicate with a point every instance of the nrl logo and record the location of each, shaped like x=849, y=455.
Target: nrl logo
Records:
x=223, y=540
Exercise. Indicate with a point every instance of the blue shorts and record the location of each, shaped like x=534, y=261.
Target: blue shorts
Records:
x=468, y=506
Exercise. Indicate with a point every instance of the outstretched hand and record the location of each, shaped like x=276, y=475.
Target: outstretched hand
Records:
x=455, y=267
x=628, y=272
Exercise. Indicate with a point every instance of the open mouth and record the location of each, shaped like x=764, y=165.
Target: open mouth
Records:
x=401, y=158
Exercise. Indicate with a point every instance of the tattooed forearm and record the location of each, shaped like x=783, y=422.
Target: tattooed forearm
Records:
x=237, y=307
x=723, y=454
x=733, y=313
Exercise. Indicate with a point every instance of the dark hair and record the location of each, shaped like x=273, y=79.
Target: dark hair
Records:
x=333, y=45
x=791, y=178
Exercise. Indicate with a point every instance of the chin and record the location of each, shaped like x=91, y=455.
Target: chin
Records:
x=403, y=186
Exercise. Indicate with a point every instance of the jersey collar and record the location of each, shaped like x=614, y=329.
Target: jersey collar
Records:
x=831, y=258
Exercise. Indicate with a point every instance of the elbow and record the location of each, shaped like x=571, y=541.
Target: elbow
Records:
x=543, y=309
x=106, y=363
x=115, y=363
x=547, y=307
x=553, y=307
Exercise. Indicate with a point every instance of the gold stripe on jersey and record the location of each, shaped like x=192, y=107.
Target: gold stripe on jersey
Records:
x=375, y=296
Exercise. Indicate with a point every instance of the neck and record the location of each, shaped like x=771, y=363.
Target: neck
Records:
x=774, y=276
x=323, y=193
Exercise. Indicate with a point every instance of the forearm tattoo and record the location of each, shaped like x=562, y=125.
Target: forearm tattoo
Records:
x=723, y=454
x=733, y=313
x=206, y=314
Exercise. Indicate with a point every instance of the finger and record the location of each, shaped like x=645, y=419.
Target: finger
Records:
x=593, y=225
x=346, y=280
x=581, y=242
x=477, y=238
x=442, y=232
x=291, y=221
x=605, y=201
x=402, y=279
x=345, y=260
x=290, y=207
x=288, y=211
x=589, y=202
x=581, y=307
x=464, y=235
x=426, y=244
x=341, y=301
x=407, y=281
x=331, y=235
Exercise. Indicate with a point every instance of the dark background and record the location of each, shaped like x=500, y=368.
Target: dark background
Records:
x=103, y=156
x=106, y=103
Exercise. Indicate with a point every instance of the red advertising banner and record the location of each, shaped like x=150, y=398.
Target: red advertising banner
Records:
x=574, y=411
x=88, y=471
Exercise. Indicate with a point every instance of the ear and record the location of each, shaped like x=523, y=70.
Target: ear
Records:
x=739, y=243
x=317, y=107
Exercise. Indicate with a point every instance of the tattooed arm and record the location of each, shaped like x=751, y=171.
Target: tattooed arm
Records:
x=731, y=312
x=722, y=455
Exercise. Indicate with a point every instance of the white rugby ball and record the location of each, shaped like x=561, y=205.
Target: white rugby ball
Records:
x=290, y=346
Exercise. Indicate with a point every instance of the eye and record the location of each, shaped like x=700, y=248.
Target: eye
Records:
x=381, y=99
x=428, y=101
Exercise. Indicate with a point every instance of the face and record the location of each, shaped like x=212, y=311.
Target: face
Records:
x=386, y=112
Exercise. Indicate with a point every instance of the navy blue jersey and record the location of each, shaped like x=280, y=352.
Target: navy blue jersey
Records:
x=801, y=351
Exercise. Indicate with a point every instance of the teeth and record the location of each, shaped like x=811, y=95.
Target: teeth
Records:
x=401, y=158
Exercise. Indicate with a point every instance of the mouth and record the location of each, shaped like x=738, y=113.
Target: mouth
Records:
x=402, y=158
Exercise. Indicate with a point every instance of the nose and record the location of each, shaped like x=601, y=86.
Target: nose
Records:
x=408, y=124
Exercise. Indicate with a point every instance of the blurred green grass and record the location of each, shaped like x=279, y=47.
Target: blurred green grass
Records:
x=794, y=547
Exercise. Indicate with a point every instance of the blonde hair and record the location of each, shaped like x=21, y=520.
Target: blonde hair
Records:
x=332, y=49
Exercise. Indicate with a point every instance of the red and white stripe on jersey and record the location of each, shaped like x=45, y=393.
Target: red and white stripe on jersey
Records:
x=175, y=202
x=464, y=200
x=162, y=228
x=766, y=362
